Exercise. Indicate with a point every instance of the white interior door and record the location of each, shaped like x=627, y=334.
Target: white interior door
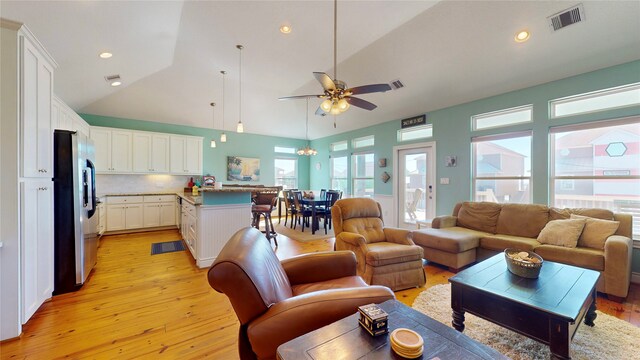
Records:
x=415, y=185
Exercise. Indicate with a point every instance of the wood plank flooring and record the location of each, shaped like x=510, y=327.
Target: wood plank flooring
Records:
x=138, y=306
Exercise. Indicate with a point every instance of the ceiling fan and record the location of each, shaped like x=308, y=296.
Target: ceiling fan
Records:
x=338, y=98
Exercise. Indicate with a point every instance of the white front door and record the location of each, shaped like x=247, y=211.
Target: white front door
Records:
x=415, y=184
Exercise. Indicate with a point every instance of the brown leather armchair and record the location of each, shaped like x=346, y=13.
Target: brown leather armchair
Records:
x=278, y=301
x=386, y=256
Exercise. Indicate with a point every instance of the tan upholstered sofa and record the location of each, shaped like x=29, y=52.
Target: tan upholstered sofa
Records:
x=477, y=230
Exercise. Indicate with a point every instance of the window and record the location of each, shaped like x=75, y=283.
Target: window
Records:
x=502, y=168
x=621, y=96
x=512, y=116
x=597, y=165
x=362, y=175
x=286, y=171
x=418, y=132
x=339, y=173
x=284, y=150
x=339, y=146
x=363, y=142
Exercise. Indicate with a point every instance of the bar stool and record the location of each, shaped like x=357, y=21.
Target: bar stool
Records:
x=264, y=210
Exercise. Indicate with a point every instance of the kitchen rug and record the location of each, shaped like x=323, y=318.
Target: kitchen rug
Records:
x=167, y=247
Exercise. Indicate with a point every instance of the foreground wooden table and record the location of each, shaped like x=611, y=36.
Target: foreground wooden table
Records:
x=345, y=339
x=547, y=309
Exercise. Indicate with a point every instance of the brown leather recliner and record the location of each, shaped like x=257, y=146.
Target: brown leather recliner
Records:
x=386, y=256
x=278, y=301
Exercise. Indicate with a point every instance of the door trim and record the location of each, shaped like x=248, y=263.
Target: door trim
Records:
x=396, y=170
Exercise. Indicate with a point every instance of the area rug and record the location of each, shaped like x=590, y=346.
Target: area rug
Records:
x=610, y=338
x=298, y=235
x=167, y=247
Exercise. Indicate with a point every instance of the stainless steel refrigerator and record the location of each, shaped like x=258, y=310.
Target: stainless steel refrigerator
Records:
x=75, y=210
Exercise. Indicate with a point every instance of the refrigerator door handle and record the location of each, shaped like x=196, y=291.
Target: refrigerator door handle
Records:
x=92, y=184
x=85, y=189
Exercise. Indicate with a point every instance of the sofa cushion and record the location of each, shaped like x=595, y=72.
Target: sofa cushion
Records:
x=482, y=216
x=596, y=231
x=558, y=214
x=579, y=256
x=525, y=220
x=452, y=240
x=562, y=232
x=386, y=253
x=501, y=242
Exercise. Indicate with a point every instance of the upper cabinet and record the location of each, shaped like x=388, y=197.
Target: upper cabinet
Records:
x=113, y=150
x=150, y=152
x=36, y=95
x=127, y=151
x=186, y=155
x=64, y=118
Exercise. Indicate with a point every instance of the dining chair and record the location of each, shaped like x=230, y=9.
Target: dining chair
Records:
x=323, y=211
x=323, y=193
x=301, y=210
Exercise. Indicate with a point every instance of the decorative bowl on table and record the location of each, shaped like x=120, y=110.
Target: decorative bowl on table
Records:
x=523, y=263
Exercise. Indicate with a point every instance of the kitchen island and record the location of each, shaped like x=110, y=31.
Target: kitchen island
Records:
x=210, y=218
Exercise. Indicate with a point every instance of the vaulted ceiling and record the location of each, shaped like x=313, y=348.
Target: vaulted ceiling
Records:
x=170, y=54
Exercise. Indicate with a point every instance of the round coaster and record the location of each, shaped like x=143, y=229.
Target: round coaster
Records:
x=407, y=339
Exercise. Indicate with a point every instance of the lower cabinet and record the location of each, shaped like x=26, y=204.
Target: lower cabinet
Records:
x=139, y=212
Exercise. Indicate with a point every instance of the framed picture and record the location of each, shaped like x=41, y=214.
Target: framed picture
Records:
x=208, y=180
x=243, y=169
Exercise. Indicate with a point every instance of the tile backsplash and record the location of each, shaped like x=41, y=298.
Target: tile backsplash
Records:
x=133, y=184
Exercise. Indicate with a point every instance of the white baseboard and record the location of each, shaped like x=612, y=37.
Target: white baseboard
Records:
x=635, y=278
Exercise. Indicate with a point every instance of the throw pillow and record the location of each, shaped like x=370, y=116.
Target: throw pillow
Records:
x=562, y=232
x=596, y=231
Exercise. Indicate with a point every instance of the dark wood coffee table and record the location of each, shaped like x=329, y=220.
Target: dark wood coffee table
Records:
x=345, y=339
x=547, y=309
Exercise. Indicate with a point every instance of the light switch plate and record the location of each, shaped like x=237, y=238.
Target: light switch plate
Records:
x=444, y=181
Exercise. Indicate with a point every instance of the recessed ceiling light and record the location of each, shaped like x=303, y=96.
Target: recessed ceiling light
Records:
x=522, y=36
x=116, y=83
x=105, y=55
x=285, y=29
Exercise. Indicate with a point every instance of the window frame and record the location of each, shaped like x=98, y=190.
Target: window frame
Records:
x=355, y=178
x=591, y=95
x=474, y=168
x=401, y=132
x=476, y=117
x=354, y=142
x=296, y=170
x=579, y=127
x=332, y=177
x=332, y=146
x=288, y=150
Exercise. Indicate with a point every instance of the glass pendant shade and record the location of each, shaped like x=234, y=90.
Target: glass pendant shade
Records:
x=240, y=128
x=343, y=105
x=326, y=105
x=223, y=137
x=213, y=143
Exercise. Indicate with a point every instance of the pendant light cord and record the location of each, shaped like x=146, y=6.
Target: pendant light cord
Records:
x=306, y=133
x=223, y=76
x=240, y=76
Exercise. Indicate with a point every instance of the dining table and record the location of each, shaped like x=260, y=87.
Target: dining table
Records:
x=311, y=203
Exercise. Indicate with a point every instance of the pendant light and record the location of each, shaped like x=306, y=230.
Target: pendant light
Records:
x=213, y=122
x=307, y=150
x=240, y=127
x=223, y=136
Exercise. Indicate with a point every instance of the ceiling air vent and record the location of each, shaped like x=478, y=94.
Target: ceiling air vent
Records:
x=566, y=17
x=110, y=78
x=396, y=84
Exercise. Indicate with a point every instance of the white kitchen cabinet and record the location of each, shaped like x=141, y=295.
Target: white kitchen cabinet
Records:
x=151, y=215
x=167, y=214
x=102, y=219
x=36, y=97
x=150, y=152
x=128, y=212
x=113, y=150
x=186, y=155
x=64, y=118
x=124, y=216
x=37, y=244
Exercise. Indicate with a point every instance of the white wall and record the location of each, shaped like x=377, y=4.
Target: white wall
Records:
x=135, y=184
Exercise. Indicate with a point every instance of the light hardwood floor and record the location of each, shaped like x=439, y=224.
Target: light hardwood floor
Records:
x=137, y=306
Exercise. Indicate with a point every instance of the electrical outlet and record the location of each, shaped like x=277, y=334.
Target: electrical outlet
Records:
x=444, y=181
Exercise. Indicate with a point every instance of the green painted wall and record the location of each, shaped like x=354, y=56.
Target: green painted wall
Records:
x=215, y=159
x=452, y=134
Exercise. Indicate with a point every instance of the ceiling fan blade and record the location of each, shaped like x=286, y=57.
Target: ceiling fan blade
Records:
x=300, y=97
x=366, y=89
x=325, y=81
x=361, y=103
x=320, y=112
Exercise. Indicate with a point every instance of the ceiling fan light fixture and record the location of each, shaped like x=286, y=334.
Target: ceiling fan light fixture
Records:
x=343, y=105
x=326, y=105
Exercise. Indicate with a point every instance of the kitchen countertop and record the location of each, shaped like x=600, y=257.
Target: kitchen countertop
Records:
x=187, y=196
